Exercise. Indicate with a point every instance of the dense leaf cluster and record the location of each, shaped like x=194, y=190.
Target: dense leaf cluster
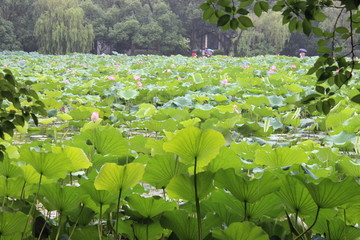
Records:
x=334, y=68
x=18, y=104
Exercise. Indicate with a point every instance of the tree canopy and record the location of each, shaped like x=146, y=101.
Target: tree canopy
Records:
x=338, y=40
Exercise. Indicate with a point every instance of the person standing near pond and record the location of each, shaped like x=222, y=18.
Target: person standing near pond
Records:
x=303, y=52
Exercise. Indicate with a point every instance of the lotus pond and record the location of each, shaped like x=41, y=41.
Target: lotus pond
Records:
x=153, y=147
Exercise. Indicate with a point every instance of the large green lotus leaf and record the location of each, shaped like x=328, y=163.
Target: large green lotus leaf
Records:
x=159, y=126
x=337, y=120
x=88, y=232
x=352, y=124
x=327, y=156
x=245, y=149
x=241, y=231
x=115, y=178
x=107, y=140
x=31, y=176
x=230, y=123
x=191, y=122
x=149, y=207
x=264, y=111
x=349, y=167
x=148, y=231
x=9, y=170
x=51, y=165
x=276, y=101
x=224, y=160
x=138, y=144
x=329, y=194
x=222, y=211
x=244, y=188
x=99, y=197
x=11, y=223
x=295, y=196
x=280, y=157
x=77, y=157
x=343, y=140
x=10, y=187
x=63, y=199
x=329, y=222
x=270, y=205
x=183, y=101
x=145, y=110
x=128, y=94
x=257, y=100
x=185, y=226
x=155, y=146
x=353, y=214
x=192, y=143
x=161, y=169
x=177, y=114
x=182, y=186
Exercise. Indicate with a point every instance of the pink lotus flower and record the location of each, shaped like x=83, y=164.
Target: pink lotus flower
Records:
x=168, y=70
x=5, y=65
x=270, y=71
x=107, y=65
x=140, y=62
x=20, y=61
x=273, y=67
x=65, y=80
x=139, y=84
x=111, y=78
x=245, y=66
x=117, y=65
x=337, y=70
x=94, y=116
x=85, y=66
x=137, y=77
x=179, y=78
x=73, y=72
x=224, y=82
x=293, y=66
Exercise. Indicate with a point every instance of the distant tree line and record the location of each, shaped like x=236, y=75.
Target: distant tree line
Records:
x=137, y=26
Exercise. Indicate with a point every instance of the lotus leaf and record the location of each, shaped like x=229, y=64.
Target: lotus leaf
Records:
x=280, y=157
x=241, y=231
x=115, y=178
x=182, y=186
x=193, y=144
x=161, y=169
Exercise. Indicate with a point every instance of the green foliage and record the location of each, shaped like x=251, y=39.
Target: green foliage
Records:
x=186, y=155
x=60, y=28
x=18, y=103
x=305, y=17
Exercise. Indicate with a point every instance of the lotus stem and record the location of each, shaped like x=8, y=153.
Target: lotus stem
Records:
x=164, y=193
x=22, y=194
x=117, y=214
x=59, y=227
x=77, y=221
x=42, y=230
x=197, y=203
x=312, y=225
x=100, y=223
x=32, y=207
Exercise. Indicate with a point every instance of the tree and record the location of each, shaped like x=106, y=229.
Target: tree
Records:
x=264, y=38
x=60, y=28
x=21, y=14
x=8, y=39
x=333, y=69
